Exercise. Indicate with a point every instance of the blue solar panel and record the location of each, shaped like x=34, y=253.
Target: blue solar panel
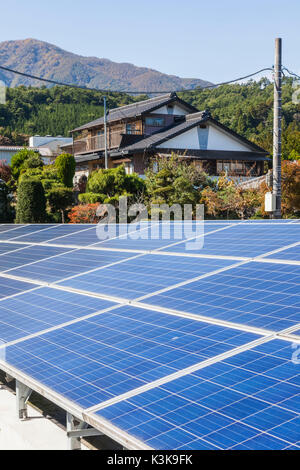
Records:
x=143, y=275
x=88, y=234
x=264, y=295
x=26, y=229
x=249, y=401
x=290, y=254
x=56, y=231
x=6, y=227
x=7, y=247
x=27, y=254
x=96, y=359
x=11, y=287
x=160, y=235
x=68, y=264
x=43, y=308
x=246, y=240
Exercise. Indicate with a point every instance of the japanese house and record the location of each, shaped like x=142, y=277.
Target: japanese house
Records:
x=158, y=127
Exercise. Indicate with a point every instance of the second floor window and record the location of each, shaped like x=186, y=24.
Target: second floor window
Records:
x=155, y=121
x=131, y=129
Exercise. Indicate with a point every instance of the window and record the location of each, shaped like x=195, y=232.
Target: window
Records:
x=155, y=121
x=131, y=129
x=129, y=168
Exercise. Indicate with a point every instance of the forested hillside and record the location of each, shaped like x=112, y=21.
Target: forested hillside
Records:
x=247, y=109
x=53, y=111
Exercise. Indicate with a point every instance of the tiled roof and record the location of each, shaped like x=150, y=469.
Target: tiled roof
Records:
x=136, y=109
x=190, y=121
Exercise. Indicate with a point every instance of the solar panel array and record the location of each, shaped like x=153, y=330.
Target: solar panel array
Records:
x=157, y=345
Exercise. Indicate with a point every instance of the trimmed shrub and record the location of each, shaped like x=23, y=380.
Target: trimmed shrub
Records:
x=59, y=199
x=90, y=198
x=65, y=164
x=31, y=205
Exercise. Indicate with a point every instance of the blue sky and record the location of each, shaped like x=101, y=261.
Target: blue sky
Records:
x=215, y=40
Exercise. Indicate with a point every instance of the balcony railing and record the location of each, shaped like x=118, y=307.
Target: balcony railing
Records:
x=90, y=144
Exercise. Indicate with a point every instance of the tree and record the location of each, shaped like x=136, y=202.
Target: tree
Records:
x=65, y=164
x=59, y=199
x=31, y=202
x=171, y=181
x=18, y=160
x=290, y=190
x=5, y=207
x=5, y=171
x=84, y=214
x=110, y=184
x=228, y=200
x=33, y=161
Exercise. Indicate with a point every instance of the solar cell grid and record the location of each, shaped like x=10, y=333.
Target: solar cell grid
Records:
x=246, y=240
x=41, y=309
x=7, y=247
x=10, y=286
x=42, y=236
x=68, y=264
x=27, y=254
x=233, y=404
x=110, y=354
x=143, y=275
x=290, y=254
x=26, y=229
x=263, y=295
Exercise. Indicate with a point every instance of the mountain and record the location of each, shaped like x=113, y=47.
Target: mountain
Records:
x=49, y=61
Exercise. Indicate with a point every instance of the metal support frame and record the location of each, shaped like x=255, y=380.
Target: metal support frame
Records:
x=77, y=429
x=22, y=395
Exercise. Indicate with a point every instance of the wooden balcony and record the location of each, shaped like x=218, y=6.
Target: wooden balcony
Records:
x=97, y=143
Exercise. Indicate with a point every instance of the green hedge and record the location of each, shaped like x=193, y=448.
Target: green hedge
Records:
x=31, y=205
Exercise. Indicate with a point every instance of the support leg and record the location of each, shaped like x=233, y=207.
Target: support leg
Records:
x=22, y=395
x=73, y=424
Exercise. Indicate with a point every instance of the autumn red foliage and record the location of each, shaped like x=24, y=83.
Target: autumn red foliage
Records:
x=84, y=214
x=5, y=171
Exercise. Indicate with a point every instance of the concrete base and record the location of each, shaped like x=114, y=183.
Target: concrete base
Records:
x=35, y=433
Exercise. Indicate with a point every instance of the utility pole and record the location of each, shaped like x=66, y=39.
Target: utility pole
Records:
x=277, y=128
x=105, y=134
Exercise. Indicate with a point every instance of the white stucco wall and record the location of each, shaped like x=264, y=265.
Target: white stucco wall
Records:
x=187, y=140
x=177, y=110
x=217, y=140
x=220, y=140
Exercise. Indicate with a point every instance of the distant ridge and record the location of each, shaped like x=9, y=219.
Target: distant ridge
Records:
x=49, y=61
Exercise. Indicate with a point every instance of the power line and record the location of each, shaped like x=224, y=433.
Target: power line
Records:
x=55, y=82
x=291, y=73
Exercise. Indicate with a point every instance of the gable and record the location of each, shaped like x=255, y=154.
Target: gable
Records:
x=221, y=140
x=176, y=110
x=205, y=138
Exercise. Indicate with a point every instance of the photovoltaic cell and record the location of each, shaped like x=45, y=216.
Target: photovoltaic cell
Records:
x=264, y=295
x=11, y=287
x=248, y=401
x=26, y=229
x=160, y=235
x=57, y=231
x=27, y=254
x=143, y=275
x=7, y=247
x=246, y=240
x=90, y=236
x=290, y=254
x=6, y=227
x=69, y=264
x=41, y=309
x=107, y=355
